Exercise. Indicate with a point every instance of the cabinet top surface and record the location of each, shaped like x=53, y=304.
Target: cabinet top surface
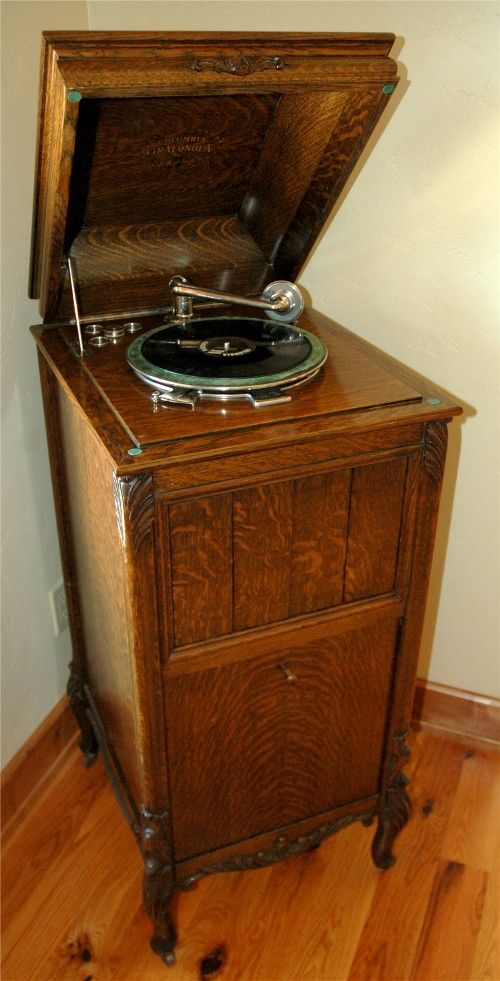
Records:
x=214, y=156
x=357, y=388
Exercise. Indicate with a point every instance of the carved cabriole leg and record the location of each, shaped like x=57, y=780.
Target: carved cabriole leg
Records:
x=79, y=705
x=395, y=806
x=135, y=506
x=159, y=882
x=393, y=815
x=394, y=809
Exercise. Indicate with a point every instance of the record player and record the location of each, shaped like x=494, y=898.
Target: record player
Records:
x=246, y=493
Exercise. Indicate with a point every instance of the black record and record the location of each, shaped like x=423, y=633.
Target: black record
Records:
x=229, y=347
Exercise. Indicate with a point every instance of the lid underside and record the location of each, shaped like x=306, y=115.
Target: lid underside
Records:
x=218, y=157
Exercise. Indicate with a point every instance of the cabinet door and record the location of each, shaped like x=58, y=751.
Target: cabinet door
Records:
x=250, y=751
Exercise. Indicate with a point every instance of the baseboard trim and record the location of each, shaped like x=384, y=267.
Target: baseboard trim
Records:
x=450, y=712
x=454, y=713
x=24, y=778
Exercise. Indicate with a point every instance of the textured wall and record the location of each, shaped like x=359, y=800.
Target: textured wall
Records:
x=408, y=262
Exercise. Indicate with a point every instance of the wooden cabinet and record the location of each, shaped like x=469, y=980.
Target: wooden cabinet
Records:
x=246, y=586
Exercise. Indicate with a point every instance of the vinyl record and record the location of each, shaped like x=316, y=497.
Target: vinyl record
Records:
x=225, y=353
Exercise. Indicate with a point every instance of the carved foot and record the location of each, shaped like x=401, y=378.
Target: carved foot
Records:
x=88, y=743
x=158, y=889
x=164, y=947
x=393, y=815
x=158, y=882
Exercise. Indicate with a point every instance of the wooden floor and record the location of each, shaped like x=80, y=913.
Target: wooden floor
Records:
x=72, y=887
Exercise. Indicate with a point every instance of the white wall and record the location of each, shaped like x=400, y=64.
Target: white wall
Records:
x=33, y=660
x=408, y=262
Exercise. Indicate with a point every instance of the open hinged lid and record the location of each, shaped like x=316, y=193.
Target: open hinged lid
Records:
x=214, y=156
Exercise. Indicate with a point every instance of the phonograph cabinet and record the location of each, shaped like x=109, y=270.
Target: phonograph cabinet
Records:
x=246, y=493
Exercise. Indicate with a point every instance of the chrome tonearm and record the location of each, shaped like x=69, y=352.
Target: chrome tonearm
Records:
x=281, y=300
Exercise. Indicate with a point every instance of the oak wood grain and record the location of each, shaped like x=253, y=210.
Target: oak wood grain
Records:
x=373, y=533
x=113, y=406
x=201, y=557
x=138, y=133
x=101, y=584
x=302, y=124
x=320, y=513
x=169, y=158
x=262, y=541
x=355, y=118
x=285, y=748
x=344, y=385
x=130, y=268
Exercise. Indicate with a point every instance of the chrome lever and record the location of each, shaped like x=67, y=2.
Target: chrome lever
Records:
x=281, y=300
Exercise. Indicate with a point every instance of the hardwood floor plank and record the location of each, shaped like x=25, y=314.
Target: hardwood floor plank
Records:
x=486, y=963
x=390, y=937
x=56, y=825
x=73, y=908
x=321, y=898
x=75, y=896
x=450, y=930
x=473, y=831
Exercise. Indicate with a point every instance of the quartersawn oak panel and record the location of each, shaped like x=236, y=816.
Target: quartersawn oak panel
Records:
x=201, y=567
x=249, y=557
x=262, y=543
x=375, y=518
x=325, y=729
x=224, y=797
x=354, y=120
x=285, y=748
x=320, y=513
x=100, y=578
x=303, y=122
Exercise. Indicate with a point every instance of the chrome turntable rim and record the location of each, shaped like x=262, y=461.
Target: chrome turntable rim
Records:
x=164, y=378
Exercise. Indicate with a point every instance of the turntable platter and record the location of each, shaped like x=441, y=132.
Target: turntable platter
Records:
x=221, y=355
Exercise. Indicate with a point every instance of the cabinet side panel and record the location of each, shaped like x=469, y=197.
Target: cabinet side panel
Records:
x=374, y=524
x=101, y=584
x=320, y=513
x=201, y=564
x=262, y=541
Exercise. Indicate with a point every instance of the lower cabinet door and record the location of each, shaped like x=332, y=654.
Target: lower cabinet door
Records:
x=259, y=743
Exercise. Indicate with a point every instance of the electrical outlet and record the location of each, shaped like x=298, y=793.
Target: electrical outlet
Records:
x=58, y=607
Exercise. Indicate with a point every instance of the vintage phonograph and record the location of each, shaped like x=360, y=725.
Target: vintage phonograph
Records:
x=246, y=493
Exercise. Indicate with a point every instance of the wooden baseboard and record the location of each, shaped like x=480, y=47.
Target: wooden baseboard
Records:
x=448, y=711
x=454, y=713
x=24, y=778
